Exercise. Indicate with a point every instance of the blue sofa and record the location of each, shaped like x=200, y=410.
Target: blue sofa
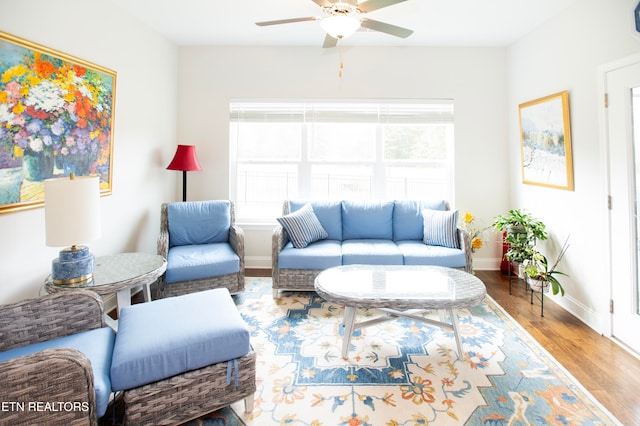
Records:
x=401, y=232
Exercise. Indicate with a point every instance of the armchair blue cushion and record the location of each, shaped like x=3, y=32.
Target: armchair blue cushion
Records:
x=203, y=246
x=199, y=222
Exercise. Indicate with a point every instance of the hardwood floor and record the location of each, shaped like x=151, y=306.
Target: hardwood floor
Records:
x=606, y=370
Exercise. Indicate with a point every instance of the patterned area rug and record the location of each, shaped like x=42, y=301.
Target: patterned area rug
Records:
x=401, y=372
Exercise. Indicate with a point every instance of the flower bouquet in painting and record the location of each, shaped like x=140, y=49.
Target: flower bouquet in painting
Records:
x=55, y=115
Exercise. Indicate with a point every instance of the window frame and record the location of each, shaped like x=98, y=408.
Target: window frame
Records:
x=305, y=164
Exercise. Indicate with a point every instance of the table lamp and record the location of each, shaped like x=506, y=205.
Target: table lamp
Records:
x=185, y=159
x=72, y=216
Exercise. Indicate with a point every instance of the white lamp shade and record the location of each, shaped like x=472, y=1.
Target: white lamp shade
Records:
x=339, y=26
x=72, y=210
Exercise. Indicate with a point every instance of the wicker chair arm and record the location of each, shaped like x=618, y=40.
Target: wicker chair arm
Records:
x=465, y=244
x=279, y=239
x=49, y=317
x=236, y=239
x=163, y=238
x=54, y=376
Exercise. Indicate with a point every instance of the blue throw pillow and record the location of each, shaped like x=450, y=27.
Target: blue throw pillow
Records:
x=441, y=228
x=303, y=227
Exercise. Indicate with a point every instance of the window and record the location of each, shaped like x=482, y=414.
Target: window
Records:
x=332, y=150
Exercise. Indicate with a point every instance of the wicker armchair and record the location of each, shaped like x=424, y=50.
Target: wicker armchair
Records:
x=53, y=375
x=233, y=281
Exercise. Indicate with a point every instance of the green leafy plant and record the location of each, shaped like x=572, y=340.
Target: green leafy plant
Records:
x=522, y=232
x=537, y=268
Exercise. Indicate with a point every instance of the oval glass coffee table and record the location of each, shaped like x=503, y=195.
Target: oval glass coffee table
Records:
x=400, y=291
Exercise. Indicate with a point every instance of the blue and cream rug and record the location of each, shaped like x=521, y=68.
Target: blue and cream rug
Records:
x=400, y=372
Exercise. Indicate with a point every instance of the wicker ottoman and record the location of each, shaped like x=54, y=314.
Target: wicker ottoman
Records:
x=179, y=358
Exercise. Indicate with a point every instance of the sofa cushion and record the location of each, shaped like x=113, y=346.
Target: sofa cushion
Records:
x=418, y=253
x=96, y=344
x=303, y=227
x=319, y=255
x=370, y=252
x=441, y=228
x=166, y=337
x=201, y=261
x=408, y=223
x=329, y=213
x=199, y=222
x=362, y=219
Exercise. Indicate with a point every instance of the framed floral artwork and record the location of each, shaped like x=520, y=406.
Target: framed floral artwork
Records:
x=545, y=142
x=56, y=118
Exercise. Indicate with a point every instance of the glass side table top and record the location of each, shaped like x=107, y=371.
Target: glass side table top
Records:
x=400, y=286
x=121, y=270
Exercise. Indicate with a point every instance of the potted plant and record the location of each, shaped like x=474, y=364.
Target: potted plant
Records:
x=522, y=230
x=540, y=275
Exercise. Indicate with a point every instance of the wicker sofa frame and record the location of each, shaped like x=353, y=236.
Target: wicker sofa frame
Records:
x=233, y=282
x=303, y=279
x=54, y=374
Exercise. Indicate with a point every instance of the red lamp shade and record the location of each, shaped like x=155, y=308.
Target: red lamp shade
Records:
x=185, y=159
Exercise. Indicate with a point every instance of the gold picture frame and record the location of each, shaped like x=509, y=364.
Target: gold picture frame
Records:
x=56, y=118
x=545, y=142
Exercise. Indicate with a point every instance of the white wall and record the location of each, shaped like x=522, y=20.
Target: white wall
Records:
x=474, y=77
x=144, y=136
x=564, y=54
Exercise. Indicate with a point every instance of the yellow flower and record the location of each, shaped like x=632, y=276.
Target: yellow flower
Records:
x=476, y=243
x=15, y=71
x=468, y=217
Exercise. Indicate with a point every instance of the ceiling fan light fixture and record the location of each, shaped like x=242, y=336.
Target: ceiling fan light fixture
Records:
x=340, y=26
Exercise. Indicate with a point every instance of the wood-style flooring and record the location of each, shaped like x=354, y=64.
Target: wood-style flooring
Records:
x=608, y=372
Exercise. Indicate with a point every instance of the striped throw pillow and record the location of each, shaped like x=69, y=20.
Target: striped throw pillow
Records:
x=440, y=228
x=303, y=227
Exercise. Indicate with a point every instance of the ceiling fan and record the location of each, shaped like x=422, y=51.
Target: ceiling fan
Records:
x=344, y=17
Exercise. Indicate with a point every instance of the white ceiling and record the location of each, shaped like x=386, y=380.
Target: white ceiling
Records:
x=435, y=22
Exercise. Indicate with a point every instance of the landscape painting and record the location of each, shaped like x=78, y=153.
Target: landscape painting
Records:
x=545, y=136
x=56, y=118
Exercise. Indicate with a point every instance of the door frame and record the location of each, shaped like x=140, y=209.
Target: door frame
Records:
x=603, y=118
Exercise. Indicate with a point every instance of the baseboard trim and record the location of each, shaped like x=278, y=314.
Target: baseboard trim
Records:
x=257, y=262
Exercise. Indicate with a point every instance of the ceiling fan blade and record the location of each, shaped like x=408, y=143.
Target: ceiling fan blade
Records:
x=386, y=28
x=330, y=42
x=369, y=5
x=286, y=21
x=322, y=3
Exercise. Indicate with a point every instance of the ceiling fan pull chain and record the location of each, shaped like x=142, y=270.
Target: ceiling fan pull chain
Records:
x=341, y=62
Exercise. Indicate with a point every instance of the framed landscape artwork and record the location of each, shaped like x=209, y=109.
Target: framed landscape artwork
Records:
x=56, y=118
x=545, y=142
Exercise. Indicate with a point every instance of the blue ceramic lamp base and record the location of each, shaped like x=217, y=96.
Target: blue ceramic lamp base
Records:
x=73, y=267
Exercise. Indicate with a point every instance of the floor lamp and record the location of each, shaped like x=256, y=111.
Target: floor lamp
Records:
x=185, y=160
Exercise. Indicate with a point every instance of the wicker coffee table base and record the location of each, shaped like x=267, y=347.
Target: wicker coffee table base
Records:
x=191, y=395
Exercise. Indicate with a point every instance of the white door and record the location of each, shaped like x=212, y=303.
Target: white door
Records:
x=623, y=119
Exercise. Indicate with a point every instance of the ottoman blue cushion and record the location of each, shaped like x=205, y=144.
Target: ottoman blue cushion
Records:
x=163, y=338
x=97, y=345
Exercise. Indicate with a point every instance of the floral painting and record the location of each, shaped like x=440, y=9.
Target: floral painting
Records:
x=545, y=135
x=56, y=118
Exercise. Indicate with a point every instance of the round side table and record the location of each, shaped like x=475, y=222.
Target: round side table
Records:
x=119, y=273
